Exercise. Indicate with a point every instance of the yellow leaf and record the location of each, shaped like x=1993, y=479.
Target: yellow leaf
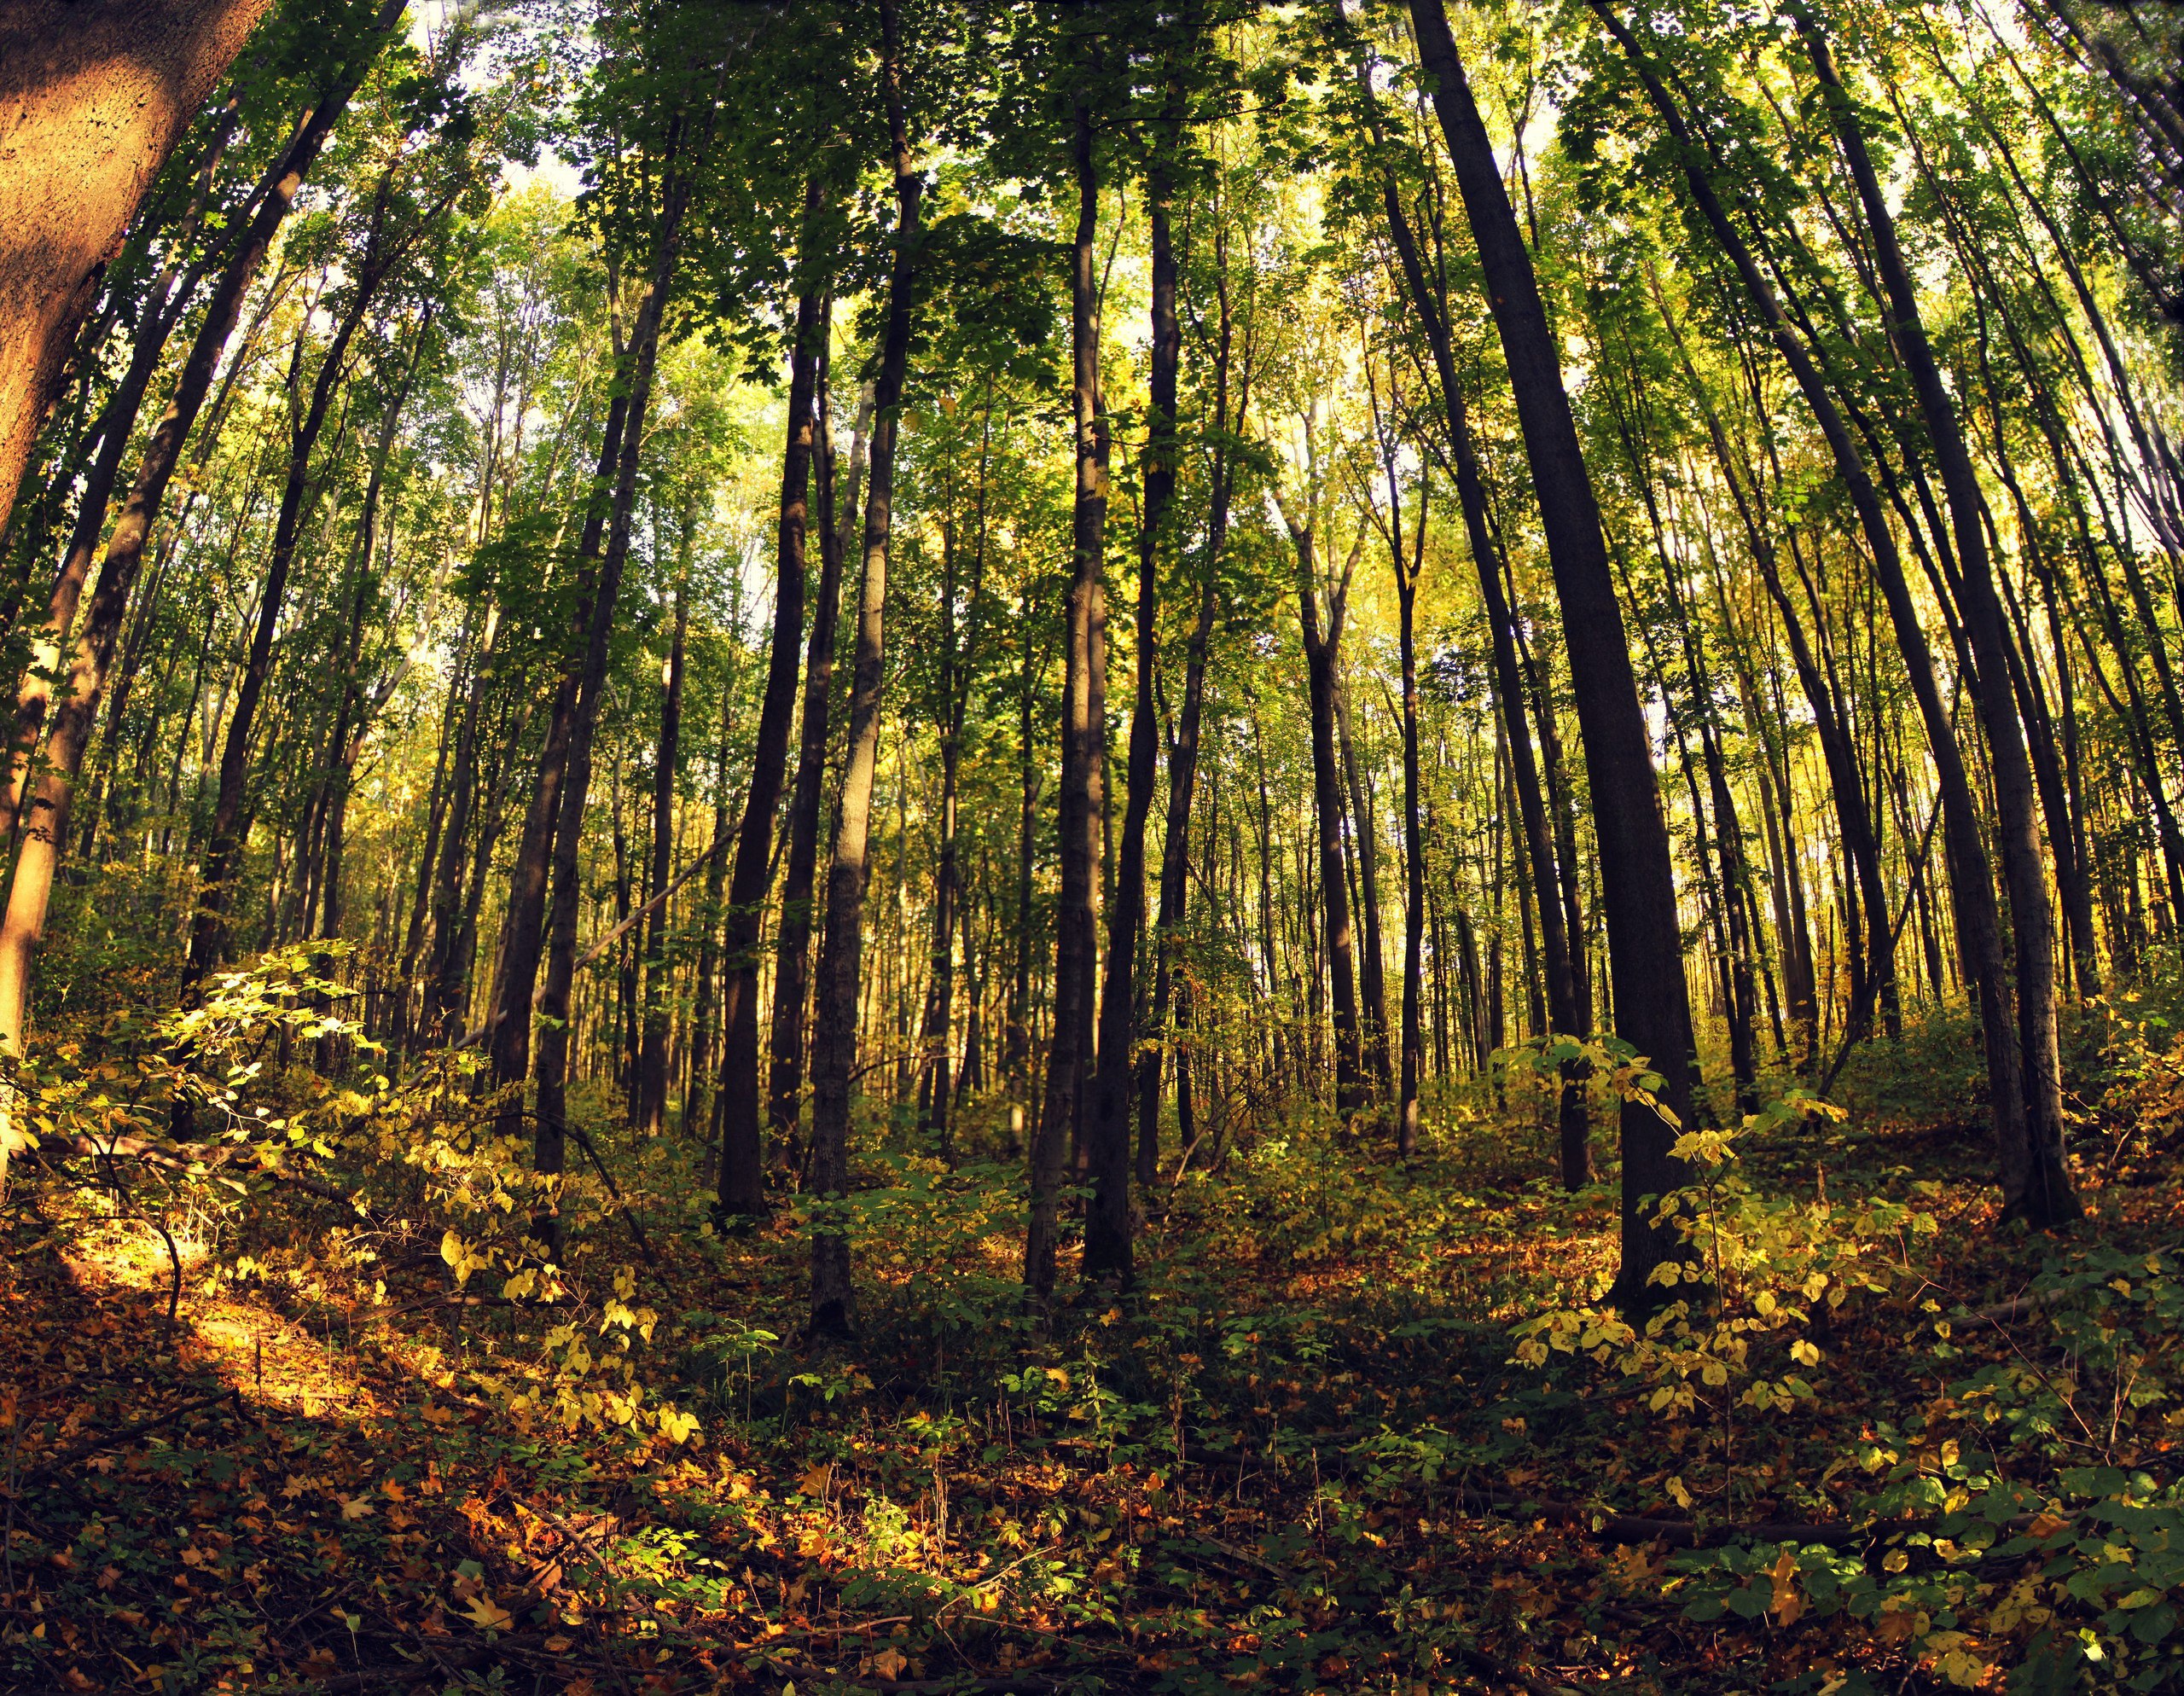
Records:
x=2046, y=1526
x=816, y=1478
x=487, y=1614
x=1787, y=1604
x=355, y=1507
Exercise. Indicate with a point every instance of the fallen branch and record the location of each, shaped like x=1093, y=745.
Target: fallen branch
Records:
x=62, y=1463
x=1632, y=1528
x=183, y=1157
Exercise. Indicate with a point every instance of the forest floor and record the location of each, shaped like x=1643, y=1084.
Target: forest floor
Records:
x=283, y=1443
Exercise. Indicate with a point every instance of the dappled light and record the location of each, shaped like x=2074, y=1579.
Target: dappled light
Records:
x=996, y=848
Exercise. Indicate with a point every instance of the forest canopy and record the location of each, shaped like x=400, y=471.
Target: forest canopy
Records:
x=1073, y=845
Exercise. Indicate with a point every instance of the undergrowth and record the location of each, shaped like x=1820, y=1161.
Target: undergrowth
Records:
x=296, y=1406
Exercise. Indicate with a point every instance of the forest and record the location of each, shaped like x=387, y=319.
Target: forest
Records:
x=950, y=847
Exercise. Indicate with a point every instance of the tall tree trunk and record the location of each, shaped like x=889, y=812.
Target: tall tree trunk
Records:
x=1558, y=937
x=2039, y=1187
x=1978, y=915
x=44, y=823
x=1412, y=1068
x=1081, y=803
x=523, y=932
x=1228, y=387
x=1372, y=967
x=162, y=310
x=1637, y=874
x=1322, y=651
x=223, y=855
x=95, y=99
x=834, y=1042
x=651, y=1061
x=443, y=993
x=1108, y=1249
x=742, y=1168
x=549, y=1138
x=792, y=941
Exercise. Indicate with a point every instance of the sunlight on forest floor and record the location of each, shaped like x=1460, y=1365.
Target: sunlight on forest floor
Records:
x=1299, y=1456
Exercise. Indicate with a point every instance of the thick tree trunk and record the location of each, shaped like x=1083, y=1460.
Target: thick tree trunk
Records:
x=834, y=1042
x=161, y=312
x=1082, y=803
x=95, y=96
x=1637, y=875
x=44, y=823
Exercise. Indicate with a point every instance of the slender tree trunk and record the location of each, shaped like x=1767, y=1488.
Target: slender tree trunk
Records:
x=523, y=934
x=697, y=1098
x=1637, y=874
x=1558, y=934
x=548, y=1142
x=1322, y=655
x=224, y=854
x=652, y=1062
x=1081, y=803
x=742, y=1170
x=1978, y=916
x=1228, y=414
x=1108, y=1249
x=792, y=944
x=2039, y=1187
x=1371, y=969
x=834, y=1033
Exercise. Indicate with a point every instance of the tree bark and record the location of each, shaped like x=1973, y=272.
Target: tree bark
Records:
x=1978, y=916
x=1637, y=875
x=1108, y=1248
x=548, y=1141
x=834, y=1042
x=223, y=855
x=1082, y=803
x=2036, y=1179
x=95, y=98
x=652, y=1060
x=792, y=941
x=1566, y=1006
x=742, y=1168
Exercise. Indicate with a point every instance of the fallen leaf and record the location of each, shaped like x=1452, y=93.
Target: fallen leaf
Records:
x=355, y=1507
x=487, y=1614
x=1787, y=1606
x=816, y=1477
